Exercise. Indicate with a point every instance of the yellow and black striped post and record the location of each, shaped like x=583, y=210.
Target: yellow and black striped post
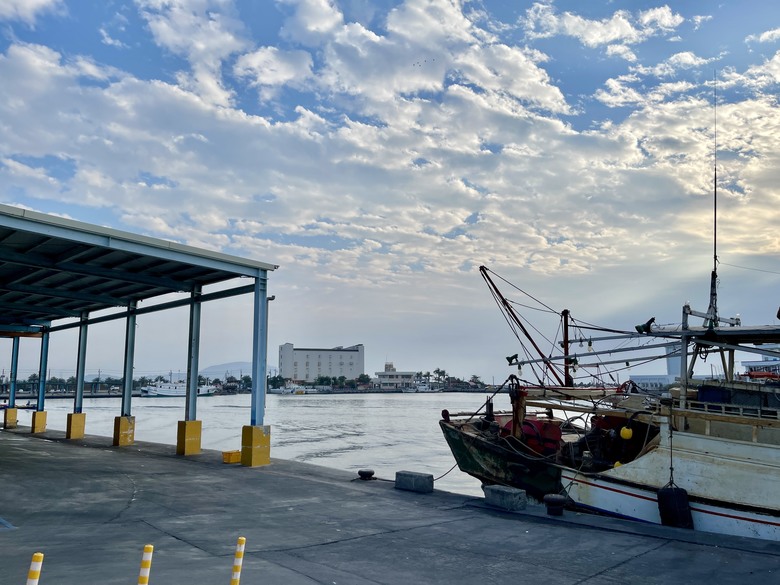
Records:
x=146, y=565
x=238, y=560
x=35, y=569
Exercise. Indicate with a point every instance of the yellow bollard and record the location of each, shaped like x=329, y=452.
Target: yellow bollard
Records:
x=238, y=561
x=35, y=569
x=146, y=565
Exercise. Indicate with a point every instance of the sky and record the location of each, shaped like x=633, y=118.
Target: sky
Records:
x=381, y=151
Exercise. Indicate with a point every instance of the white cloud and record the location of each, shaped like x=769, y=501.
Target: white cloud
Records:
x=312, y=21
x=27, y=10
x=205, y=32
x=770, y=36
x=269, y=68
x=622, y=27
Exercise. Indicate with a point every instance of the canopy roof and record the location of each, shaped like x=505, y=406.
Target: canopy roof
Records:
x=54, y=268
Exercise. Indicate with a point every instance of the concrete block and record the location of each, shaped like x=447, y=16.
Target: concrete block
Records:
x=76, y=425
x=38, y=421
x=188, y=435
x=124, y=431
x=414, y=482
x=231, y=456
x=11, y=418
x=504, y=497
x=255, y=445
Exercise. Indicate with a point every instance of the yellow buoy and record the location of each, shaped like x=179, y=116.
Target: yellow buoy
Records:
x=626, y=433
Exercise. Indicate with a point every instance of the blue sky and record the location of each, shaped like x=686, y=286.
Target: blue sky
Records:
x=380, y=152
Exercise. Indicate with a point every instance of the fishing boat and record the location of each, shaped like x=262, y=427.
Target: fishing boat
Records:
x=705, y=454
x=173, y=389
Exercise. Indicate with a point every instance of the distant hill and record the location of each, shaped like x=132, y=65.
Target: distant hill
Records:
x=221, y=371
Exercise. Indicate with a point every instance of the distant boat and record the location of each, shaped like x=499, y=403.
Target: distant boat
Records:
x=418, y=387
x=169, y=389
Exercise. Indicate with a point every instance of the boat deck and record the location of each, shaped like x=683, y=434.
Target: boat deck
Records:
x=91, y=508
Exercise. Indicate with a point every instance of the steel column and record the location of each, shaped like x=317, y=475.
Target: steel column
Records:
x=259, y=349
x=81, y=362
x=190, y=411
x=42, y=370
x=14, y=371
x=127, y=389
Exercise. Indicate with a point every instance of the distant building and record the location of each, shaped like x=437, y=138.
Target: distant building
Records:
x=390, y=379
x=767, y=367
x=655, y=383
x=306, y=364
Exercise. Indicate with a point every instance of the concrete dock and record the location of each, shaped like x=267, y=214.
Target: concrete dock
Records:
x=91, y=508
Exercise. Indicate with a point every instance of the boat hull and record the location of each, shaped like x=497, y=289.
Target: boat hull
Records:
x=636, y=502
x=731, y=485
x=173, y=390
x=493, y=463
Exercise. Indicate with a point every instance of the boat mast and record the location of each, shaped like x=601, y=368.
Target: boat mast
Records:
x=515, y=319
x=712, y=311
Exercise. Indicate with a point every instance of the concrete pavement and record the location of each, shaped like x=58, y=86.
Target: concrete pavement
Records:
x=91, y=508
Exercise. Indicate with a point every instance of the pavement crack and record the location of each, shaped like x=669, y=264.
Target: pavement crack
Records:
x=129, y=502
x=621, y=563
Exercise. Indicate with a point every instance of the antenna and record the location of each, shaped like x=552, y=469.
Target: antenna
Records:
x=715, y=169
x=712, y=319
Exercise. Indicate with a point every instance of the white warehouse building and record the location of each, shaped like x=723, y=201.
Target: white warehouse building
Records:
x=306, y=364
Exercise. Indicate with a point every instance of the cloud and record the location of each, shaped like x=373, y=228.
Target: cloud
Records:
x=270, y=68
x=622, y=27
x=205, y=32
x=27, y=11
x=770, y=36
x=312, y=21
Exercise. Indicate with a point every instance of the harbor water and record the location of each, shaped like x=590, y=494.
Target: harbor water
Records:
x=383, y=432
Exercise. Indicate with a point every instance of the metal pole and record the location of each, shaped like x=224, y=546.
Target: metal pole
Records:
x=81, y=362
x=14, y=370
x=190, y=410
x=127, y=389
x=259, y=349
x=42, y=371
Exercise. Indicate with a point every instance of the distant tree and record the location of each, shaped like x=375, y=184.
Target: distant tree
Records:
x=246, y=381
x=276, y=381
x=323, y=381
x=475, y=380
x=33, y=378
x=341, y=381
x=364, y=379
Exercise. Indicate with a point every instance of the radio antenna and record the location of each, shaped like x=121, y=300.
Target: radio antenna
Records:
x=712, y=319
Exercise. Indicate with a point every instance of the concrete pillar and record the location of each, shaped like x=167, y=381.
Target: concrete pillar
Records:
x=76, y=424
x=11, y=418
x=38, y=421
x=188, y=437
x=255, y=445
x=124, y=431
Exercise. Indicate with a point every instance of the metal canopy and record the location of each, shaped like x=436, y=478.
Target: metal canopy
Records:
x=53, y=268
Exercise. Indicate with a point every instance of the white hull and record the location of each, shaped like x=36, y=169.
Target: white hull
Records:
x=168, y=389
x=731, y=485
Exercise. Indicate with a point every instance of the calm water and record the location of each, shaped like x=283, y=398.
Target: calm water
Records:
x=383, y=432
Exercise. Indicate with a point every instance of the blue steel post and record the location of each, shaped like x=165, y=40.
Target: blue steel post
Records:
x=259, y=349
x=81, y=360
x=42, y=370
x=190, y=410
x=127, y=389
x=14, y=370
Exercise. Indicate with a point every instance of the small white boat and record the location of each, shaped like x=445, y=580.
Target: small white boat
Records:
x=169, y=389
